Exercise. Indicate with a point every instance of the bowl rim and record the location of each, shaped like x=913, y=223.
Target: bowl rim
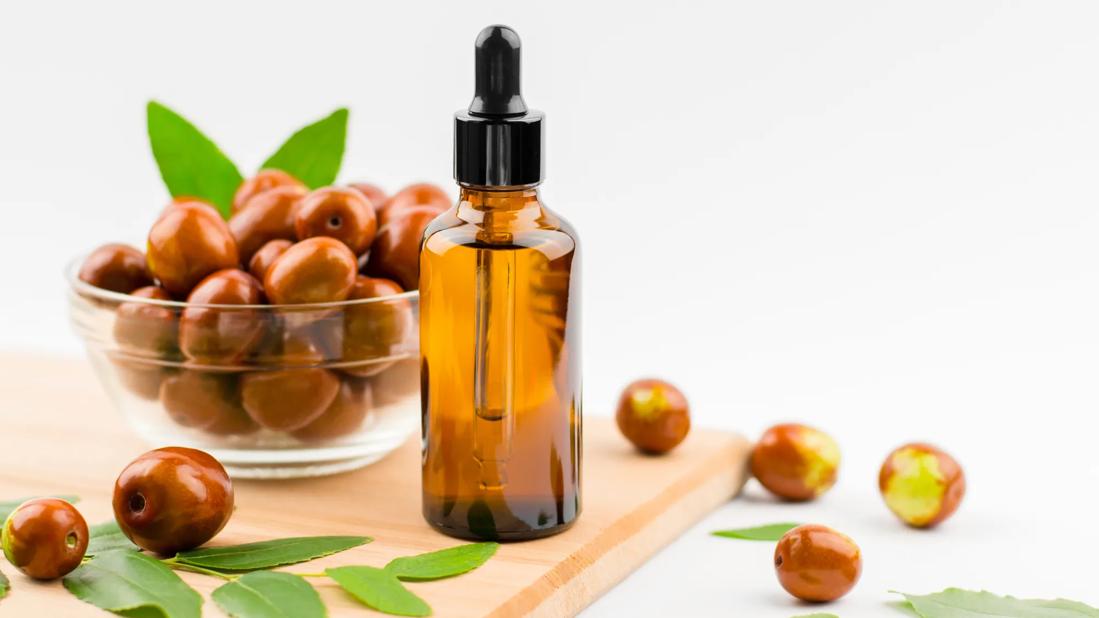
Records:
x=83, y=288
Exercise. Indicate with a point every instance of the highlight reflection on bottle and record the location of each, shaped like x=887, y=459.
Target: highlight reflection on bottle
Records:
x=500, y=327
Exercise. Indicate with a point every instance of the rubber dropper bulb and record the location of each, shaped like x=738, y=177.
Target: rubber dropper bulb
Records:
x=496, y=92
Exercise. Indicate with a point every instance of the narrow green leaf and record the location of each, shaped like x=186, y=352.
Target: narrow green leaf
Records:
x=770, y=532
x=314, y=154
x=379, y=589
x=269, y=594
x=131, y=583
x=817, y=615
x=7, y=506
x=106, y=537
x=957, y=603
x=5, y=585
x=268, y=554
x=190, y=163
x=443, y=563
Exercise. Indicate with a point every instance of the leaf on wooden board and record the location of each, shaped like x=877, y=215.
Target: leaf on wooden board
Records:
x=817, y=615
x=379, y=589
x=269, y=554
x=5, y=585
x=107, y=536
x=269, y=594
x=131, y=583
x=958, y=603
x=314, y=153
x=190, y=163
x=769, y=532
x=443, y=563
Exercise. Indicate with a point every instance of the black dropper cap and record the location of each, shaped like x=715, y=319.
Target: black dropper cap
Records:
x=497, y=141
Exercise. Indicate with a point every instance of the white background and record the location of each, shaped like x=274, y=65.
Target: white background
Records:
x=875, y=217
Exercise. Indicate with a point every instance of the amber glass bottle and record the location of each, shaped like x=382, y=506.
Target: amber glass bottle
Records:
x=500, y=328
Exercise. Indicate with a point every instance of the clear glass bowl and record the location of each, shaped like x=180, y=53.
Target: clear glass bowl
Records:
x=272, y=391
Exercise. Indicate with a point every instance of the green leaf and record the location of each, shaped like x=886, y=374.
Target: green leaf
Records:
x=817, y=615
x=7, y=506
x=269, y=594
x=313, y=155
x=268, y=554
x=133, y=584
x=443, y=563
x=379, y=589
x=770, y=532
x=5, y=585
x=957, y=603
x=107, y=536
x=190, y=163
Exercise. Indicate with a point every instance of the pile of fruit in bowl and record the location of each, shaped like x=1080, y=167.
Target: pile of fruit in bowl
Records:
x=283, y=339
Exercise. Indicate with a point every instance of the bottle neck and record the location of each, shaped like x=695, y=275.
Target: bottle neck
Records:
x=498, y=199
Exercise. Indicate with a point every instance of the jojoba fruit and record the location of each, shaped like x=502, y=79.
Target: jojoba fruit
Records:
x=147, y=329
x=796, y=462
x=817, y=564
x=397, y=383
x=45, y=538
x=263, y=181
x=371, y=331
x=267, y=254
x=419, y=195
x=206, y=400
x=216, y=335
x=288, y=399
x=142, y=378
x=344, y=416
x=269, y=216
x=316, y=270
x=115, y=267
x=373, y=192
x=921, y=484
x=340, y=213
x=172, y=499
x=187, y=243
x=395, y=253
x=653, y=415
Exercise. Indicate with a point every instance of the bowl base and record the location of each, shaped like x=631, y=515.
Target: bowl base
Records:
x=250, y=469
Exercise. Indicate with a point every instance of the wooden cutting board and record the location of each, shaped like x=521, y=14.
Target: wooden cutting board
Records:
x=60, y=434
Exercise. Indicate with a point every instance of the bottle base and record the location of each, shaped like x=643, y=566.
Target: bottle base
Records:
x=504, y=536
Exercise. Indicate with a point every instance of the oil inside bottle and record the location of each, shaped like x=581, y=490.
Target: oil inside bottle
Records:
x=500, y=368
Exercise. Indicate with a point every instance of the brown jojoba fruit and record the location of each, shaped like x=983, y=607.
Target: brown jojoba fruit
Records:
x=337, y=212
x=372, y=331
x=147, y=329
x=373, y=192
x=115, y=267
x=189, y=241
x=45, y=538
x=172, y=499
x=263, y=181
x=653, y=415
x=796, y=462
x=817, y=564
x=267, y=254
x=344, y=416
x=222, y=335
x=269, y=216
x=206, y=400
x=921, y=484
x=419, y=195
x=315, y=270
x=395, y=253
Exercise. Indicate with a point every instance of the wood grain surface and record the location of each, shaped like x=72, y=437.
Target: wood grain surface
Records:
x=59, y=434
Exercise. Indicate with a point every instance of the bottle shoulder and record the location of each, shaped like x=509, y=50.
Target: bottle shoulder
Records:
x=543, y=230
